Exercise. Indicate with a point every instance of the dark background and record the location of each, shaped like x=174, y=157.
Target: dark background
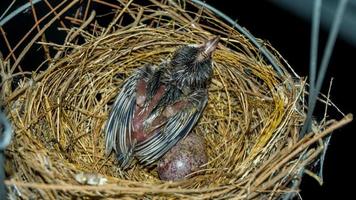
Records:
x=290, y=35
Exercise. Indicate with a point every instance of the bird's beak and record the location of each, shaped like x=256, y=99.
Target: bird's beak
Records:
x=210, y=45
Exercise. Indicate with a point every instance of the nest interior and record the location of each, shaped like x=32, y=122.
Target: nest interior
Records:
x=251, y=124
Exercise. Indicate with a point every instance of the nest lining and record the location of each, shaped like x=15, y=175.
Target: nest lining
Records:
x=251, y=123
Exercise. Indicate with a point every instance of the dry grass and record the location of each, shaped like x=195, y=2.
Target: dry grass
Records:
x=251, y=123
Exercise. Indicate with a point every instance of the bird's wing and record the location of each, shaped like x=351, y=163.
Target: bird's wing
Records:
x=119, y=125
x=176, y=128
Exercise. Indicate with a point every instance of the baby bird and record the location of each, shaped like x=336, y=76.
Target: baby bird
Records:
x=159, y=105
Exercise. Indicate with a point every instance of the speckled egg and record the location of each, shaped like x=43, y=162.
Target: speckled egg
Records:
x=184, y=158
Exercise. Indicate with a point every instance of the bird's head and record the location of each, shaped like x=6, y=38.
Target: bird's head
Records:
x=189, y=56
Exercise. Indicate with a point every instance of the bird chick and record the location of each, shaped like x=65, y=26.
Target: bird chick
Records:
x=159, y=105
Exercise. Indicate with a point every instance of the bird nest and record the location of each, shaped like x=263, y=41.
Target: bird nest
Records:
x=251, y=124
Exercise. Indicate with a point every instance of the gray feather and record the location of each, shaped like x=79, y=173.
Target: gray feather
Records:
x=119, y=126
x=176, y=128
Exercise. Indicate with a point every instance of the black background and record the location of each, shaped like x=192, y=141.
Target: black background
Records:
x=290, y=35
